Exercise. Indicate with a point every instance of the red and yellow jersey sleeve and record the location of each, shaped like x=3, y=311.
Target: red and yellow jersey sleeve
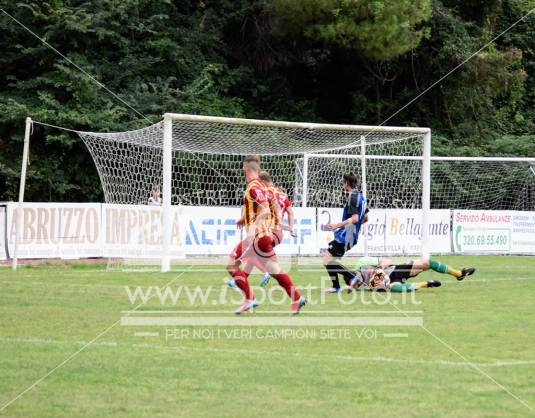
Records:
x=284, y=201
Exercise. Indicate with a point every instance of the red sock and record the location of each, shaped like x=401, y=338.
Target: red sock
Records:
x=235, y=272
x=242, y=282
x=286, y=282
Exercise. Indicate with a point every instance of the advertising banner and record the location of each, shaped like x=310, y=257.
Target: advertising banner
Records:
x=212, y=231
x=523, y=233
x=79, y=230
x=404, y=231
x=3, y=243
x=392, y=231
x=132, y=231
x=50, y=230
x=476, y=231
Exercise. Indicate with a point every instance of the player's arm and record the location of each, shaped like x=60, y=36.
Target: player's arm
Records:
x=357, y=210
x=353, y=220
x=290, y=211
x=291, y=218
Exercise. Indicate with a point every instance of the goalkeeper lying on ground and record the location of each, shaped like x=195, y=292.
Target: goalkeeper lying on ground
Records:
x=381, y=273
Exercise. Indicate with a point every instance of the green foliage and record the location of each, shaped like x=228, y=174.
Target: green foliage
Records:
x=378, y=30
x=348, y=61
x=483, y=97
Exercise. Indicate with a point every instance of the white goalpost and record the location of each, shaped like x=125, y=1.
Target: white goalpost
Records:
x=197, y=161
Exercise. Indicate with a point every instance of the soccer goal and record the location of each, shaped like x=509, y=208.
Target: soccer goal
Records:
x=196, y=161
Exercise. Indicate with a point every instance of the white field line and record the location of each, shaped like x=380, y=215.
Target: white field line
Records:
x=261, y=353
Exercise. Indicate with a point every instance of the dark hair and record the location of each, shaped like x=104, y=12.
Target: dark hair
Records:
x=264, y=176
x=351, y=179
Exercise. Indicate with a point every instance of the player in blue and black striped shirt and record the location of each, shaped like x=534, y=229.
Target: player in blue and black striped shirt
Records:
x=346, y=233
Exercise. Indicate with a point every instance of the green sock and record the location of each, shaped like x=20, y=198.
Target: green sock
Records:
x=402, y=287
x=443, y=268
x=438, y=266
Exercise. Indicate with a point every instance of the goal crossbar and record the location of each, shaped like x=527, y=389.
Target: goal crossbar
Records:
x=298, y=125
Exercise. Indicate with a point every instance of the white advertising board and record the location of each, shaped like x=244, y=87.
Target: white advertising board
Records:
x=51, y=230
x=132, y=231
x=493, y=232
x=392, y=231
x=482, y=232
x=523, y=233
x=212, y=230
x=3, y=243
x=77, y=230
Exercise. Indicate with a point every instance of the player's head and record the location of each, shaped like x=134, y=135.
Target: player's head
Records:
x=349, y=181
x=266, y=178
x=155, y=190
x=379, y=280
x=251, y=167
x=252, y=157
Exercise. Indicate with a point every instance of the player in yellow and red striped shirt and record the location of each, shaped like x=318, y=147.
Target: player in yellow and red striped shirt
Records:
x=284, y=206
x=256, y=250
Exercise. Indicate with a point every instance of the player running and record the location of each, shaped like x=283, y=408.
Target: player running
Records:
x=345, y=233
x=381, y=273
x=256, y=250
x=277, y=197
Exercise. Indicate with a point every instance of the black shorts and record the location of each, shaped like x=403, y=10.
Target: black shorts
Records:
x=337, y=249
x=401, y=273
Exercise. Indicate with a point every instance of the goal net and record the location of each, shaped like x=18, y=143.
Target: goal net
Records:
x=483, y=183
x=196, y=161
x=204, y=162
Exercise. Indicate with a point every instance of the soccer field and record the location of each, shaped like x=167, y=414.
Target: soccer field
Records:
x=61, y=330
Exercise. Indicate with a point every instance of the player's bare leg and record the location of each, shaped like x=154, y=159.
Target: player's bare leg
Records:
x=271, y=265
x=233, y=266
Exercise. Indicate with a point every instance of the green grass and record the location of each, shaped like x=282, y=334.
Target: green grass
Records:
x=49, y=312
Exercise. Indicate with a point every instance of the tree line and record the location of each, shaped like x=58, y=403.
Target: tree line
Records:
x=335, y=61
